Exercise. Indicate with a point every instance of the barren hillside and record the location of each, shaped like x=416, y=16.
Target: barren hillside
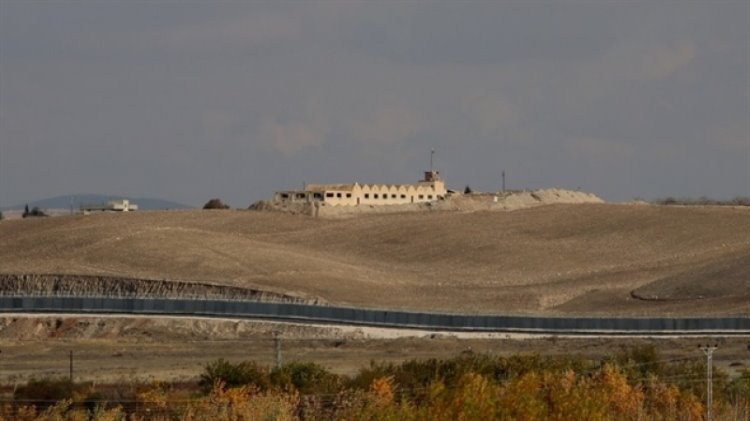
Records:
x=573, y=259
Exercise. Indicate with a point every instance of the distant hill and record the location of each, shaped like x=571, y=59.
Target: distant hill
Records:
x=572, y=259
x=64, y=202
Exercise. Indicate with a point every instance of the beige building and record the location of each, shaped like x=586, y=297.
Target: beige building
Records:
x=430, y=189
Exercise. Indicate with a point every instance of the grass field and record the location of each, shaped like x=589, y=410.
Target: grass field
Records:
x=558, y=259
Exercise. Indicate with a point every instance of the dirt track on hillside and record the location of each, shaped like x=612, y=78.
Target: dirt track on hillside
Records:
x=562, y=259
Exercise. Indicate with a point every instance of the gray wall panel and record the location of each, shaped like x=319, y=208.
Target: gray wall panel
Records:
x=301, y=312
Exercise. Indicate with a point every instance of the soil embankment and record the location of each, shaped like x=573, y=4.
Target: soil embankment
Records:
x=109, y=286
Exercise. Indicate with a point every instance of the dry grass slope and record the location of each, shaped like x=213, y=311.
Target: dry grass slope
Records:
x=560, y=259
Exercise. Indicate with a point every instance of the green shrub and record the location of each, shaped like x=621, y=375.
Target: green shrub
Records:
x=33, y=213
x=233, y=375
x=215, y=204
x=690, y=376
x=45, y=392
x=639, y=362
x=306, y=378
x=738, y=390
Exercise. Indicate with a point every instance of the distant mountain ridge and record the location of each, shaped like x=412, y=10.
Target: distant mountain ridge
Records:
x=76, y=200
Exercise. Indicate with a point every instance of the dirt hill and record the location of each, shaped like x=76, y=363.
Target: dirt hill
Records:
x=557, y=259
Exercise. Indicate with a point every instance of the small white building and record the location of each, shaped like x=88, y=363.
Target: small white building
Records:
x=430, y=189
x=123, y=205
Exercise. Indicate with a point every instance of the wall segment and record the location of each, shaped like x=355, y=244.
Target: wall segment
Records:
x=739, y=325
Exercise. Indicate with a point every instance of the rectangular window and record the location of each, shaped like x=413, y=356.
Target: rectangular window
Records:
x=367, y=195
x=429, y=197
x=375, y=195
x=403, y=196
x=393, y=196
x=300, y=195
x=421, y=196
x=349, y=195
x=338, y=194
x=284, y=196
x=385, y=196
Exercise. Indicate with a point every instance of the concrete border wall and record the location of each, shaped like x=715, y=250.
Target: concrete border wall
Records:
x=372, y=317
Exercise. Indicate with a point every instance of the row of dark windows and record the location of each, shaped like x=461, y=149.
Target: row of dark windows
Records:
x=349, y=196
x=394, y=196
x=375, y=196
x=329, y=194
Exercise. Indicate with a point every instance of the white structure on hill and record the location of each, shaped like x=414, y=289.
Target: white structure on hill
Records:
x=123, y=205
x=430, y=189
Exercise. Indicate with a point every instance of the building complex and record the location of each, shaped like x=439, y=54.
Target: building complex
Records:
x=429, y=189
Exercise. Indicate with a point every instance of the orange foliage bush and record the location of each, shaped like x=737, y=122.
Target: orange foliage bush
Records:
x=536, y=392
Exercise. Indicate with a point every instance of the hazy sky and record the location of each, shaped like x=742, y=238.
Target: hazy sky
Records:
x=192, y=100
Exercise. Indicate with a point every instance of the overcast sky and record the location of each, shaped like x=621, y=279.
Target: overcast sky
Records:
x=192, y=100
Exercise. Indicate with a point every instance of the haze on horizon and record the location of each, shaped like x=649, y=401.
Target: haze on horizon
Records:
x=188, y=101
